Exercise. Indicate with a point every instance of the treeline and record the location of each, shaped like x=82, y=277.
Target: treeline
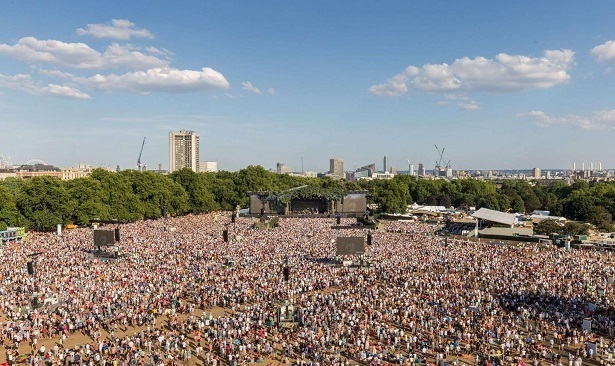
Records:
x=581, y=201
x=42, y=203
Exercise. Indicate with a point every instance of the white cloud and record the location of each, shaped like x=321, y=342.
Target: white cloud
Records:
x=158, y=51
x=32, y=50
x=79, y=55
x=456, y=97
x=56, y=74
x=463, y=101
x=395, y=86
x=251, y=88
x=159, y=79
x=121, y=29
x=63, y=91
x=125, y=56
x=272, y=91
x=24, y=82
x=604, y=52
x=598, y=119
x=469, y=106
x=503, y=73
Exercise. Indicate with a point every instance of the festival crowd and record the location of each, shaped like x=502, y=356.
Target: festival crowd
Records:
x=178, y=294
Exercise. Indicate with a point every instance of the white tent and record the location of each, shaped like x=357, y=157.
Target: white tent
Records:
x=495, y=216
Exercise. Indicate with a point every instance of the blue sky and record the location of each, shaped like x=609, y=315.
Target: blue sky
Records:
x=499, y=85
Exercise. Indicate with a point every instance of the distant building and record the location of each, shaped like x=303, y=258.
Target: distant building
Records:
x=183, y=150
x=7, y=173
x=393, y=170
x=536, y=173
x=282, y=169
x=336, y=168
x=411, y=169
x=385, y=164
x=421, y=172
x=78, y=171
x=159, y=170
x=385, y=175
x=38, y=170
x=208, y=166
x=365, y=171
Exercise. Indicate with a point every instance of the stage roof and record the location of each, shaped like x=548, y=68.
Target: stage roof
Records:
x=495, y=216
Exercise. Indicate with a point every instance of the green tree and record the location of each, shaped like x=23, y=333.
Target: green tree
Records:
x=223, y=189
x=419, y=190
x=516, y=202
x=444, y=200
x=87, y=195
x=391, y=196
x=547, y=227
x=578, y=206
x=124, y=205
x=44, y=202
x=489, y=201
x=9, y=214
x=158, y=193
x=504, y=202
x=199, y=197
x=601, y=217
x=575, y=228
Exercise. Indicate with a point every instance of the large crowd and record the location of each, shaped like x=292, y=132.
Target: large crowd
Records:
x=178, y=295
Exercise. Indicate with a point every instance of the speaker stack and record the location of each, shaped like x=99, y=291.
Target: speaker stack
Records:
x=225, y=236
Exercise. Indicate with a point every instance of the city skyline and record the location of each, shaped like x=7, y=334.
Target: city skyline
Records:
x=528, y=83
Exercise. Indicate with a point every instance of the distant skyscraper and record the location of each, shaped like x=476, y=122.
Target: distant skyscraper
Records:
x=537, y=173
x=183, y=150
x=599, y=167
x=208, y=166
x=411, y=169
x=336, y=167
x=365, y=171
x=385, y=164
x=421, y=172
x=282, y=169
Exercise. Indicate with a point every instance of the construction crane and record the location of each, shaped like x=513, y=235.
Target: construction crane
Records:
x=139, y=166
x=440, y=163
